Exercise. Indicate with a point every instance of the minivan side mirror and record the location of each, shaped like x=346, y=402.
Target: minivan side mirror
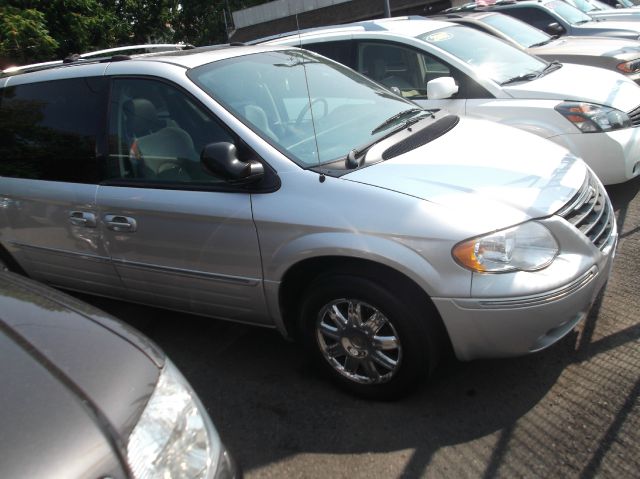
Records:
x=554, y=28
x=221, y=159
x=441, y=88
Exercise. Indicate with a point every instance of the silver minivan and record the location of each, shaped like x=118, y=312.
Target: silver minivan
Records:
x=272, y=186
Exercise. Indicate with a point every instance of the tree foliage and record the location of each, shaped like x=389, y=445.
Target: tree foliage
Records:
x=38, y=30
x=24, y=36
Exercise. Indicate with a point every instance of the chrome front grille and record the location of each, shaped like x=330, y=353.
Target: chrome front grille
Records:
x=634, y=115
x=590, y=211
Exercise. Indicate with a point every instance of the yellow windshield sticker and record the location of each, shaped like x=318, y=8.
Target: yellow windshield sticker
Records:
x=439, y=37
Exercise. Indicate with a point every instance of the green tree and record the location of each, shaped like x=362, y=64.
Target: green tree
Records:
x=24, y=36
x=200, y=22
x=204, y=22
x=37, y=30
x=81, y=25
x=144, y=21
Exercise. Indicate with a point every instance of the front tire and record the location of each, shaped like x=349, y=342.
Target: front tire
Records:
x=374, y=339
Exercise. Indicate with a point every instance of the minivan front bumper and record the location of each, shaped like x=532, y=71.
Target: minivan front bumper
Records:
x=514, y=326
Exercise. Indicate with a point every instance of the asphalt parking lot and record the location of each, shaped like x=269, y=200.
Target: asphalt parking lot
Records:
x=570, y=411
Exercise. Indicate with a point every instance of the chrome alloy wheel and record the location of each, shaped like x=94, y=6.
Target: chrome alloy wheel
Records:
x=358, y=341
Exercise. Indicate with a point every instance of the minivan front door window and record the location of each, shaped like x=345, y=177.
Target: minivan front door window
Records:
x=157, y=134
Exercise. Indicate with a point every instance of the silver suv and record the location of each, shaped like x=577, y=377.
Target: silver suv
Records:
x=272, y=186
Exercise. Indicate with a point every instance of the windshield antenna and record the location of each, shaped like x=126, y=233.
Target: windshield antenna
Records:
x=306, y=80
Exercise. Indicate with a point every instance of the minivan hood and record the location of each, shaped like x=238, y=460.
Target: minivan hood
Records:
x=611, y=28
x=590, y=46
x=493, y=175
x=581, y=83
x=618, y=14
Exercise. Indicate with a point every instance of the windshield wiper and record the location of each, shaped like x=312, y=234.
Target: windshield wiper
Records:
x=551, y=67
x=525, y=77
x=539, y=44
x=355, y=157
x=396, y=117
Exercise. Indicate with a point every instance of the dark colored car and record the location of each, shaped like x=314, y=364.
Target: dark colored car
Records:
x=558, y=18
x=85, y=396
x=622, y=3
x=617, y=54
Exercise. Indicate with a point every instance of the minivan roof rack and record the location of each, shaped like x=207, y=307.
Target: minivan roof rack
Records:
x=99, y=56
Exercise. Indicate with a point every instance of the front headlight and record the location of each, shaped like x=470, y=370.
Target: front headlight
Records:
x=526, y=247
x=632, y=66
x=590, y=118
x=174, y=437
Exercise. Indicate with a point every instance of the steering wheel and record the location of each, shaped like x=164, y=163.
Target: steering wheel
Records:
x=308, y=106
x=172, y=169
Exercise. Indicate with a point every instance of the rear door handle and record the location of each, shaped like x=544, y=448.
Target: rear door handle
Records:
x=121, y=224
x=82, y=218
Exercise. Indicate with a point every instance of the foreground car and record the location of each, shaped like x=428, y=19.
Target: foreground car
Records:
x=273, y=186
x=590, y=111
x=84, y=396
x=619, y=55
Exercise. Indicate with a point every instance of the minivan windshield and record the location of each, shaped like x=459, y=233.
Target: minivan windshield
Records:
x=568, y=12
x=314, y=110
x=586, y=6
x=489, y=56
x=523, y=34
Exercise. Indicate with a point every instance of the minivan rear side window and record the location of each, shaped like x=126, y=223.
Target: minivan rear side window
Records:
x=49, y=130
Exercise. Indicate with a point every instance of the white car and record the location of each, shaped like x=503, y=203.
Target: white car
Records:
x=591, y=111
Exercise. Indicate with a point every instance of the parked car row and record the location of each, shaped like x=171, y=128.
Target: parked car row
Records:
x=382, y=222
x=558, y=17
x=620, y=55
x=590, y=111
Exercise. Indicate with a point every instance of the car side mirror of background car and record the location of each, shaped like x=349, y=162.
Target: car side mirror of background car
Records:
x=221, y=160
x=554, y=28
x=441, y=88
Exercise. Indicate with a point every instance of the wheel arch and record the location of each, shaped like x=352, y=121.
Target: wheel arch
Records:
x=301, y=274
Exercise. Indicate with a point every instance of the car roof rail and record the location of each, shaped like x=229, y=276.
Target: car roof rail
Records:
x=156, y=47
x=70, y=60
x=473, y=6
x=115, y=54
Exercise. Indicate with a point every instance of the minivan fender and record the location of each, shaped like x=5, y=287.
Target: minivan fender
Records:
x=328, y=250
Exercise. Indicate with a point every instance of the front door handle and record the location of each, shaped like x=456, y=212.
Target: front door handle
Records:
x=121, y=224
x=82, y=218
